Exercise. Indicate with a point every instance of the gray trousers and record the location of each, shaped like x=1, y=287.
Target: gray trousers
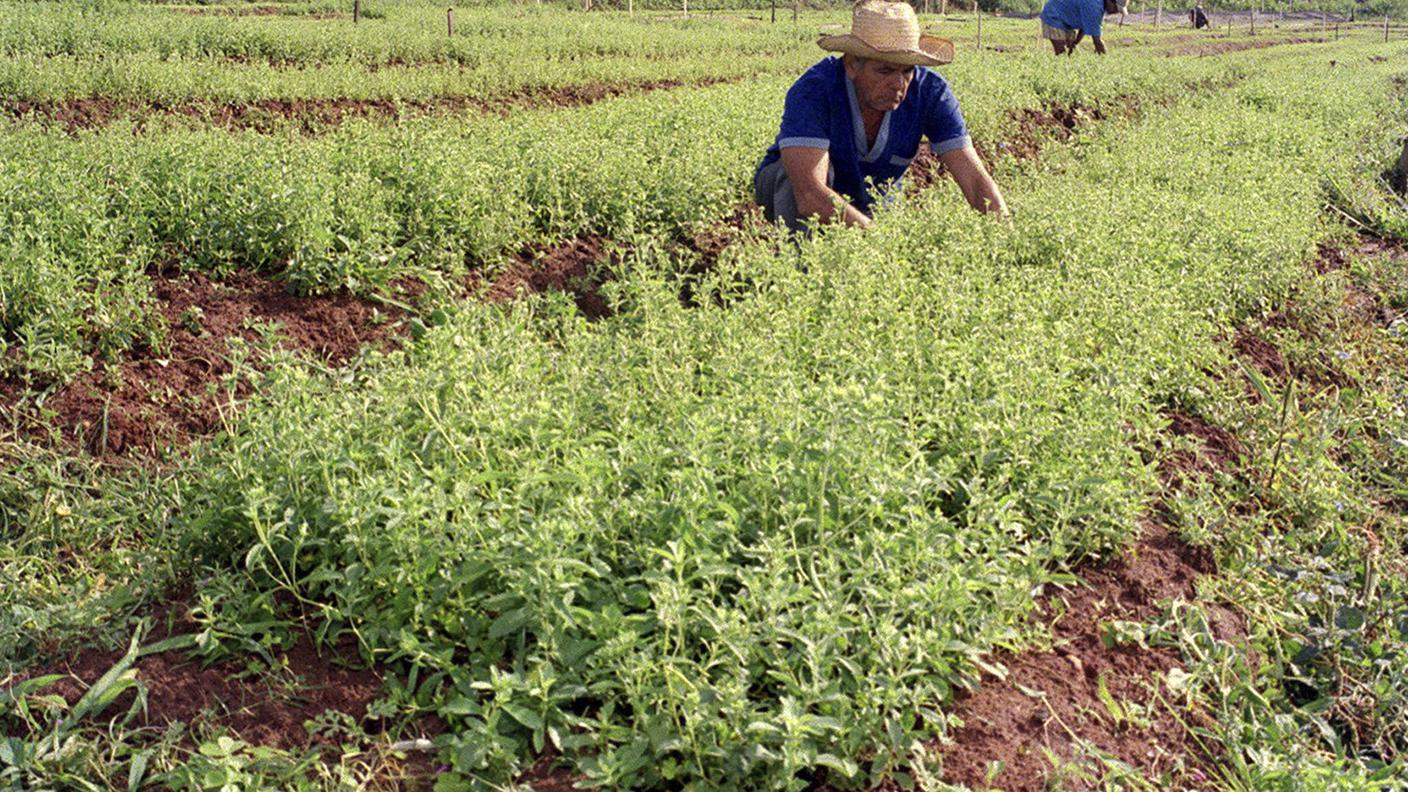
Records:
x=773, y=191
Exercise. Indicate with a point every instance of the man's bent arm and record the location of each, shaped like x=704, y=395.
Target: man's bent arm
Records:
x=974, y=180
x=806, y=169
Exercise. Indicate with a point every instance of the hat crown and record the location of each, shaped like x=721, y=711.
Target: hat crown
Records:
x=889, y=31
x=885, y=25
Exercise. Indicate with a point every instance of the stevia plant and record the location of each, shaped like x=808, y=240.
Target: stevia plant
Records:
x=740, y=544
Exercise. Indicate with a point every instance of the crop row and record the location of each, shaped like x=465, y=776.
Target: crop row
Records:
x=145, y=53
x=355, y=209
x=155, y=78
x=742, y=543
x=525, y=39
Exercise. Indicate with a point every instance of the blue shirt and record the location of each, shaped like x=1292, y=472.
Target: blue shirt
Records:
x=821, y=111
x=1082, y=15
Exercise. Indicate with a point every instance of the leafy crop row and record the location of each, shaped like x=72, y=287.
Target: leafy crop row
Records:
x=368, y=203
x=137, y=51
x=738, y=544
x=743, y=543
x=407, y=35
x=142, y=53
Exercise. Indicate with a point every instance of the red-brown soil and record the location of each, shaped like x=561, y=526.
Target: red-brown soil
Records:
x=544, y=777
x=703, y=248
x=156, y=399
x=1260, y=354
x=152, y=401
x=1034, y=127
x=1037, y=125
x=1050, y=700
x=266, y=707
x=710, y=242
x=1218, y=449
x=261, y=705
x=1002, y=722
x=261, y=709
x=313, y=115
x=925, y=170
x=576, y=267
x=1327, y=259
x=1224, y=47
x=1324, y=370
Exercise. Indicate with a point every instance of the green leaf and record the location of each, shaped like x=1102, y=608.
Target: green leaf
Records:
x=461, y=705
x=12, y=751
x=27, y=687
x=509, y=623
x=1257, y=381
x=524, y=716
x=846, y=767
x=1349, y=617
x=138, y=770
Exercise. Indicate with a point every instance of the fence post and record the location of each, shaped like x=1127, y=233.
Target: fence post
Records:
x=356, y=11
x=1159, y=15
x=979, y=12
x=1400, y=170
x=1253, y=21
x=774, y=12
x=450, y=22
x=1385, y=28
x=796, y=9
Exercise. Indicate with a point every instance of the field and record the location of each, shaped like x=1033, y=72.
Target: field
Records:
x=390, y=409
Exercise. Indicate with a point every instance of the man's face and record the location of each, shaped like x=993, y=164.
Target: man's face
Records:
x=880, y=86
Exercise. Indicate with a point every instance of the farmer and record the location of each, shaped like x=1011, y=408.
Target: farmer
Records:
x=852, y=124
x=1198, y=17
x=1066, y=22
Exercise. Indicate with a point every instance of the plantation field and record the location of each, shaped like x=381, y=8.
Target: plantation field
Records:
x=387, y=409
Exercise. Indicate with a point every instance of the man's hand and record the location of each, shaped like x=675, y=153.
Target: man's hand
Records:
x=974, y=181
x=806, y=169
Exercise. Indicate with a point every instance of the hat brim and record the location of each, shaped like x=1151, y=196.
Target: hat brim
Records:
x=933, y=51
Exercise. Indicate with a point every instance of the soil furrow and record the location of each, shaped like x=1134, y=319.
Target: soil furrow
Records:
x=153, y=400
x=315, y=115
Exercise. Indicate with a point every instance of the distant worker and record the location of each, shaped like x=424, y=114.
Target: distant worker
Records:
x=1198, y=17
x=1066, y=22
x=854, y=122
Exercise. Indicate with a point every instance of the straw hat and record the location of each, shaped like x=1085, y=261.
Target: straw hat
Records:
x=889, y=31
